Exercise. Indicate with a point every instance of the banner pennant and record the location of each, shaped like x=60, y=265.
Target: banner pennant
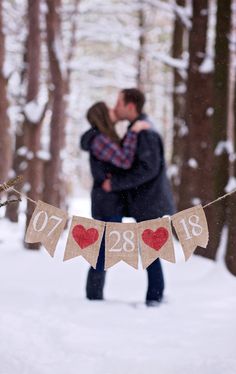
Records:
x=155, y=237
x=84, y=239
x=192, y=229
x=46, y=226
x=121, y=244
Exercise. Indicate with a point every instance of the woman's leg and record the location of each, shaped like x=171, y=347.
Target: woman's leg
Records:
x=95, y=284
x=96, y=277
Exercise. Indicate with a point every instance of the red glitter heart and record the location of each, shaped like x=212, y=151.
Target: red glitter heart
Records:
x=83, y=237
x=155, y=239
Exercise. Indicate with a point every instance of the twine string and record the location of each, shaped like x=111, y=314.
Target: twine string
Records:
x=6, y=187
x=220, y=198
x=26, y=197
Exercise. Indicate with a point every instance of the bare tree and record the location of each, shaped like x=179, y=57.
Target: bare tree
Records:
x=20, y=163
x=230, y=255
x=60, y=78
x=5, y=137
x=141, y=54
x=197, y=170
x=196, y=184
x=28, y=134
x=220, y=117
x=178, y=48
x=33, y=124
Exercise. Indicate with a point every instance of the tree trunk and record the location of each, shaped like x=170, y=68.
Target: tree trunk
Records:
x=141, y=54
x=32, y=126
x=197, y=176
x=198, y=140
x=53, y=175
x=19, y=165
x=179, y=98
x=220, y=119
x=230, y=256
x=19, y=158
x=5, y=136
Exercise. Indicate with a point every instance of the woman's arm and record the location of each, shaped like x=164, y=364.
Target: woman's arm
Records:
x=121, y=156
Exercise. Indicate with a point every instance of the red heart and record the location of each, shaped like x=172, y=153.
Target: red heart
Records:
x=155, y=239
x=84, y=237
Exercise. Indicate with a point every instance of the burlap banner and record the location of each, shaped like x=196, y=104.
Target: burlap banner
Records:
x=121, y=239
x=121, y=243
x=156, y=241
x=84, y=239
x=192, y=229
x=46, y=226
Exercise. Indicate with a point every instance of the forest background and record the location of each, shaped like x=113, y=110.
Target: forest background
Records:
x=59, y=57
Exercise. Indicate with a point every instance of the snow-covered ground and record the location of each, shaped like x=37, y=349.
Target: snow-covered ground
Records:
x=47, y=326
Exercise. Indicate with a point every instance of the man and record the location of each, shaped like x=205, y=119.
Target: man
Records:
x=146, y=185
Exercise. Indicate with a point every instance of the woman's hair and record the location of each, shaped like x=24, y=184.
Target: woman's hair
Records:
x=98, y=117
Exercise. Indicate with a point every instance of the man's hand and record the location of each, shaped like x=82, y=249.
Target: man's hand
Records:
x=106, y=185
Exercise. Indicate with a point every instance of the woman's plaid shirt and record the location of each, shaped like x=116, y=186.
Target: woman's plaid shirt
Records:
x=121, y=156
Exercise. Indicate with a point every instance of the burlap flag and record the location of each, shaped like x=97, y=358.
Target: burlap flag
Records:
x=121, y=243
x=46, y=225
x=192, y=229
x=156, y=240
x=84, y=239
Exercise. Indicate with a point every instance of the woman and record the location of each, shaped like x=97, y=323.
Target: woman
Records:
x=107, y=153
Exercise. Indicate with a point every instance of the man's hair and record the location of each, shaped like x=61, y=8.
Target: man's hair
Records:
x=135, y=96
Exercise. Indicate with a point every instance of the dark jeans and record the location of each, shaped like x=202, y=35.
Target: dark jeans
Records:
x=96, y=277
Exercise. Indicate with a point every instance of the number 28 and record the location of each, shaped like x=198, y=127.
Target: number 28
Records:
x=128, y=244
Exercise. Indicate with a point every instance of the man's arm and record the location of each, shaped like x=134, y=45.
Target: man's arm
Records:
x=149, y=161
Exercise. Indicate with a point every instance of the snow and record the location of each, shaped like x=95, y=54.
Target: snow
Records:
x=204, y=12
x=170, y=61
x=8, y=69
x=196, y=201
x=22, y=151
x=193, y=163
x=180, y=88
x=30, y=155
x=172, y=171
x=47, y=326
x=183, y=13
x=43, y=155
x=95, y=5
x=210, y=111
x=223, y=146
x=34, y=111
x=26, y=187
x=231, y=185
x=23, y=165
x=183, y=129
x=207, y=65
x=58, y=50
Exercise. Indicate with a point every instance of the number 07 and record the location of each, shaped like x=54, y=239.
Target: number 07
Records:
x=45, y=222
